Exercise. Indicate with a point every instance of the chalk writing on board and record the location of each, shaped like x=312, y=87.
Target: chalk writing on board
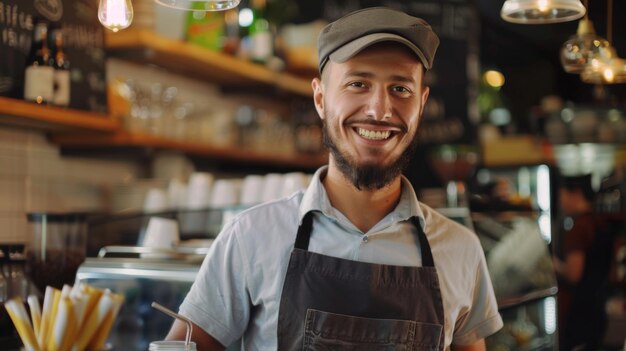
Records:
x=83, y=43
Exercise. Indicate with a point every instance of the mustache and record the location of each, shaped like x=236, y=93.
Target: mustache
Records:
x=367, y=121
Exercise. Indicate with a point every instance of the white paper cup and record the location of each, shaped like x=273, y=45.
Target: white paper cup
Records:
x=198, y=190
x=224, y=193
x=161, y=233
x=293, y=182
x=155, y=201
x=177, y=194
x=272, y=187
x=251, y=190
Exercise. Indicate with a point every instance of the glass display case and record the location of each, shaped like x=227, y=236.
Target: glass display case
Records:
x=523, y=278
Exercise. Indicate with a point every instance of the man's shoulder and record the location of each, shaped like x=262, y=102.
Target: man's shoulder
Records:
x=271, y=214
x=448, y=232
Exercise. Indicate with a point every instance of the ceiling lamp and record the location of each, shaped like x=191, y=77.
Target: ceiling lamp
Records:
x=582, y=47
x=605, y=70
x=541, y=11
x=200, y=5
x=606, y=67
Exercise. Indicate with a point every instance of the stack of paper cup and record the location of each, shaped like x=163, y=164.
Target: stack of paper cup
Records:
x=155, y=201
x=176, y=194
x=198, y=191
x=293, y=182
x=161, y=233
x=251, y=190
x=224, y=193
x=272, y=187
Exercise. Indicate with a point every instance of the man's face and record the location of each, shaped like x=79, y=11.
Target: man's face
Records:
x=370, y=106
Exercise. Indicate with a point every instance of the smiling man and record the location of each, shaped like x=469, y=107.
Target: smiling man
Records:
x=355, y=261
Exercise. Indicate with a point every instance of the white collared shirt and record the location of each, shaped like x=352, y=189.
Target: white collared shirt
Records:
x=237, y=291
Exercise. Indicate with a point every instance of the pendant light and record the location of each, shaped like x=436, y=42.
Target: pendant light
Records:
x=607, y=67
x=601, y=71
x=200, y=5
x=541, y=11
x=115, y=14
x=580, y=48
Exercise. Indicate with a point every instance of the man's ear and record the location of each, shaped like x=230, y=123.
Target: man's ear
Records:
x=425, y=93
x=318, y=96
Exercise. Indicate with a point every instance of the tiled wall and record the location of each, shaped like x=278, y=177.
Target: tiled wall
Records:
x=35, y=178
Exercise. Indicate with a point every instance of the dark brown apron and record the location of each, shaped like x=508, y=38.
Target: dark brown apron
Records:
x=331, y=303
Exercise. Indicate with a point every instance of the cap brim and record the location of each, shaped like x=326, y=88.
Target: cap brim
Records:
x=352, y=48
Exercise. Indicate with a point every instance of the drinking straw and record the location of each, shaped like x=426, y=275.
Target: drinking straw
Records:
x=93, y=321
x=93, y=295
x=97, y=342
x=19, y=316
x=65, y=325
x=45, y=317
x=52, y=344
x=177, y=316
x=35, y=312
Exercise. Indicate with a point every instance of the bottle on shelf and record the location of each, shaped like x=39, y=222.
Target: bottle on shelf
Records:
x=261, y=41
x=205, y=28
x=62, y=86
x=39, y=72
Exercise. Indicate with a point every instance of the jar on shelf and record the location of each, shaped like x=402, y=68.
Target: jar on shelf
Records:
x=56, y=249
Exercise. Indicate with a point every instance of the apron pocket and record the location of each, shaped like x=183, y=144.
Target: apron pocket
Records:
x=331, y=331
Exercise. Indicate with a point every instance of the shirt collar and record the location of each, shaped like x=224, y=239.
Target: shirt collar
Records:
x=316, y=199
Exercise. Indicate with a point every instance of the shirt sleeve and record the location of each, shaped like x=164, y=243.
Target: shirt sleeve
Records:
x=218, y=301
x=482, y=318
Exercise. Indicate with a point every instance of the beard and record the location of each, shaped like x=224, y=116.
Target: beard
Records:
x=367, y=176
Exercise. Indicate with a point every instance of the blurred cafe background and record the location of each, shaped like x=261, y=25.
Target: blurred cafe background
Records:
x=126, y=143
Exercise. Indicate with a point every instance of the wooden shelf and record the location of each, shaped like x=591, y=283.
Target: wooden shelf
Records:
x=27, y=114
x=194, y=61
x=136, y=140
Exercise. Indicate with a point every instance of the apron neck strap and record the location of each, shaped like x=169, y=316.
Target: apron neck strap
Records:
x=304, y=232
x=304, y=236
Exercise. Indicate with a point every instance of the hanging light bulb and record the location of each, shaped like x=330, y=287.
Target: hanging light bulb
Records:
x=607, y=68
x=541, y=11
x=207, y=5
x=579, y=49
x=115, y=14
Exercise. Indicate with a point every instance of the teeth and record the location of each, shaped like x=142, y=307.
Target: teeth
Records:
x=373, y=135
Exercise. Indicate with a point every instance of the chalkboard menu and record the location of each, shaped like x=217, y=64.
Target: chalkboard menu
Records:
x=83, y=38
x=450, y=114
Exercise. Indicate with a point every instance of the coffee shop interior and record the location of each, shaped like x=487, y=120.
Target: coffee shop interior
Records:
x=161, y=124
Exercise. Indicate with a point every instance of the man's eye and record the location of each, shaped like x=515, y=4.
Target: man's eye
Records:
x=357, y=84
x=401, y=89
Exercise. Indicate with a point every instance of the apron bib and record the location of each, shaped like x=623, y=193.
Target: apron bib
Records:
x=331, y=303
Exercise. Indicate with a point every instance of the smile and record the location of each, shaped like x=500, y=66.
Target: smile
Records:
x=374, y=134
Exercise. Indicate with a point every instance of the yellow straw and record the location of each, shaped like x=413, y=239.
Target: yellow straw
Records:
x=19, y=316
x=65, y=325
x=45, y=317
x=35, y=312
x=53, y=344
x=97, y=342
x=93, y=321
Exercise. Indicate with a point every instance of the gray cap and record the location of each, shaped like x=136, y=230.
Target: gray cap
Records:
x=347, y=36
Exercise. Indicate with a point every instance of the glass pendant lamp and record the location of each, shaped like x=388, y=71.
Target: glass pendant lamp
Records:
x=607, y=67
x=198, y=5
x=579, y=49
x=541, y=11
x=605, y=70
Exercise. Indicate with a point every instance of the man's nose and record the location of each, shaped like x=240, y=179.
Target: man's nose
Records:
x=379, y=105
